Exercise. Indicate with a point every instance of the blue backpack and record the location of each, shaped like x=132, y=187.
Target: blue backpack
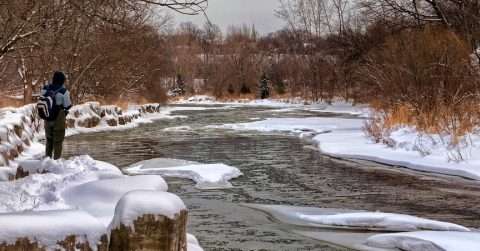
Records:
x=46, y=105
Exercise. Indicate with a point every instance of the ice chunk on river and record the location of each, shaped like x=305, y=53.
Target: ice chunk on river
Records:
x=427, y=241
x=349, y=219
x=206, y=176
x=386, y=221
x=316, y=125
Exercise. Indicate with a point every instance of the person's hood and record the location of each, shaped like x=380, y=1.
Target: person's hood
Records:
x=58, y=79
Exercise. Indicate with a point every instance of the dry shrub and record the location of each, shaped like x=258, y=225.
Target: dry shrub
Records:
x=426, y=79
x=382, y=123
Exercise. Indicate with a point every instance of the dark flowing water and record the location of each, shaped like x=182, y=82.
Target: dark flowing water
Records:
x=280, y=170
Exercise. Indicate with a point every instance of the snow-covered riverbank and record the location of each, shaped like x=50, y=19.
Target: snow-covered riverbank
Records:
x=92, y=189
x=80, y=201
x=345, y=138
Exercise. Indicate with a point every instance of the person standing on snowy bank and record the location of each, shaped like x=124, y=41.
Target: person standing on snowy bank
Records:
x=53, y=107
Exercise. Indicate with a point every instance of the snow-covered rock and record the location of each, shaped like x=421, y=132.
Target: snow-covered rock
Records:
x=427, y=241
x=95, y=194
x=48, y=229
x=149, y=220
x=136, y=204
x=17, y=129
x=93, y=117
x=99, y=198
x=207, y=176
x=42, y=191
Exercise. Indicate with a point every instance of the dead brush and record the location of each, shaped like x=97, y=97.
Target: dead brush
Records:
x=382, y=123
x=424, y=79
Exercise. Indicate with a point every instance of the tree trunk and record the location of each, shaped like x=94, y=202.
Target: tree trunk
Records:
x=28, y=93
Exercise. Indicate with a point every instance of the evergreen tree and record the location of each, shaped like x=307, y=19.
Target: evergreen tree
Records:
x=180, y=89
x=264, y=88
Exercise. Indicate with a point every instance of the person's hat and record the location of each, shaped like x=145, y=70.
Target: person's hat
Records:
x=58, y=78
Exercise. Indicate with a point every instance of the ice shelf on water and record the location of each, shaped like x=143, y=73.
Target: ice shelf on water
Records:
x=427, y=241
x=206, y=176
x=372, y=231
x=315, y=125
x=385, y=221
x=351, y=219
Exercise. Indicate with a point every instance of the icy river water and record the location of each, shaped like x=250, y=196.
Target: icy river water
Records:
x=278, y=170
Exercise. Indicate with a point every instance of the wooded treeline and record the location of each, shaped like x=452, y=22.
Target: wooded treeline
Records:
x=414, y=61
x=109, y=49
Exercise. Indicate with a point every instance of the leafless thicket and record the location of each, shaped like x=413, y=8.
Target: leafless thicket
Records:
x=108, y=49
x=415, y=61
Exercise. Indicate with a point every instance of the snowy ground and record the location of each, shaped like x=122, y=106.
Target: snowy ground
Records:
x=79, y=196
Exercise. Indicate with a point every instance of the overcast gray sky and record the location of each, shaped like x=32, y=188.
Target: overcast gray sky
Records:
x=237, y=12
